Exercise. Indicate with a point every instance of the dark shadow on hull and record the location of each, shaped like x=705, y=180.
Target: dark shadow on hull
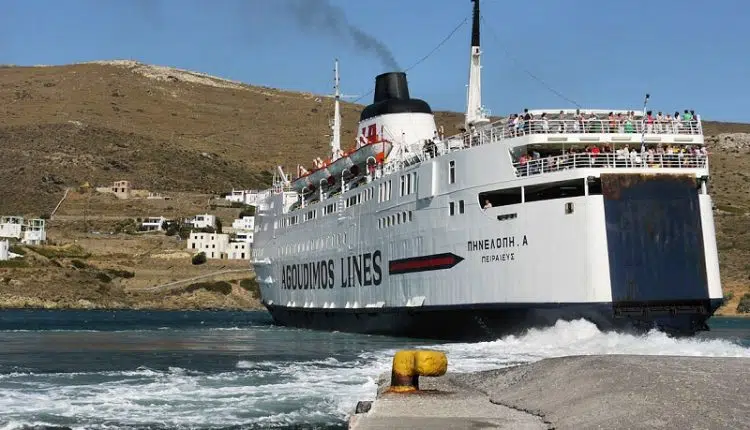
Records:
x=490, y=322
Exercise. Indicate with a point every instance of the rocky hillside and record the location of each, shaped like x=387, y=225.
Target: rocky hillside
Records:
x=161, y=128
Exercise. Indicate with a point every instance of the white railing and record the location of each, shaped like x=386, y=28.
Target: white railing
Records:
x=504, y=130
x=608, y=160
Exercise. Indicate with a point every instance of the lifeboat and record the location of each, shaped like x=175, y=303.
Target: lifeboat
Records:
x=331, y=171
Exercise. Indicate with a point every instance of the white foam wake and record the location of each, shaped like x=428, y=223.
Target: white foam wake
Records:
x=269, y=393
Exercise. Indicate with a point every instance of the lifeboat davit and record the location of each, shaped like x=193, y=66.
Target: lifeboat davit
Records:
x=331, y=171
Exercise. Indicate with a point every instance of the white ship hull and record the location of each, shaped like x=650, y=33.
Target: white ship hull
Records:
x=499, y=229
x=641, y=253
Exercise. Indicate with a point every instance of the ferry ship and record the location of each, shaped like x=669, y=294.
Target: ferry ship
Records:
x=601, y=215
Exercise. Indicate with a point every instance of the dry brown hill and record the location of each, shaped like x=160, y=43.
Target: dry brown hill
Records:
x=161, y=128
x=171, y=130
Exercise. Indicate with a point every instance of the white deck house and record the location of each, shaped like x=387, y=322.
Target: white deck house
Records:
x=218, y=246
x=201, y=221
x=153, y=223
x=29, y=232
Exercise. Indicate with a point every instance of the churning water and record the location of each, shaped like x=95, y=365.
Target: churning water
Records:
x=128, y=369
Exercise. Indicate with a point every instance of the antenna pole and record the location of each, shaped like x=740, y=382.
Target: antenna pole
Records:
x=645, y=123
x=336, y=126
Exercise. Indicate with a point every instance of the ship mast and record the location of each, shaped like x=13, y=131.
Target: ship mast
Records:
x=474, y=111
x=336, y=123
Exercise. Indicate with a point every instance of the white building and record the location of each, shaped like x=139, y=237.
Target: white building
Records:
x=202, y=221
x=34, y=232
x=29, y=232
x=246, y=223
x=11, y=227
x=213, y=244
x=218, y=246
x=244, y=236
x=246, y=197
x=153, y=223
x=239, y=251
x=4, y=250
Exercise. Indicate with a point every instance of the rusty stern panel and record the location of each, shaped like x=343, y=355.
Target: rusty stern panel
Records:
x=654, y=238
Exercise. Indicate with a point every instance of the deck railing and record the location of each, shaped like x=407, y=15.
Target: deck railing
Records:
x=609, y=160
x=504, y=130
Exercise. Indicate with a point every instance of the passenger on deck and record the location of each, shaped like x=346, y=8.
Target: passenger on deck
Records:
x=487, y=204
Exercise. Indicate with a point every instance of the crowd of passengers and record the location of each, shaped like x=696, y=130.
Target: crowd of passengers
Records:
x=669, y=156
x=582, y=122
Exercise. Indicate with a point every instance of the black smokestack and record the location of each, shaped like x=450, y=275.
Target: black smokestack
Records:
x=391, y=85
x=320, y=15
x=475, y=24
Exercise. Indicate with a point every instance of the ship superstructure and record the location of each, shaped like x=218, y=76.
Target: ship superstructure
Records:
x=515, y=223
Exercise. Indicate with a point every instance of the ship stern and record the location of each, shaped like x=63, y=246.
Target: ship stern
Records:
x=663, y=260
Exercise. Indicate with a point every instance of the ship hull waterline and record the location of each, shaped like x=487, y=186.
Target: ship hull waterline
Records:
x=492, y=321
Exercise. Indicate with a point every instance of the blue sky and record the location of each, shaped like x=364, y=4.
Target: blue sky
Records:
x=601, y=54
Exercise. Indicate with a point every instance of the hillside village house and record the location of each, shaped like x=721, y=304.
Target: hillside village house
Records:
x=218, y=246
x=34, y=232
x=246, y=197
x=121, y=189
x=246, y=223
x=244, y=236
x=11, y=226
x=29, y=232
x=201, y=221
x=153, y=223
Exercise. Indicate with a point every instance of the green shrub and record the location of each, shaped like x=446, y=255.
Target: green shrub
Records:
x=78, y=264
x=117, y=273
x=744, y=306
x=14, y=263
x=221, y=287
x=103, y=277
x=16, y=249
x=250, y=211
x=74, y=251
x=199, y=258
x=251, y=285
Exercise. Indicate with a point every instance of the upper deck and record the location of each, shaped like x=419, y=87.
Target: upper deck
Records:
x=554, y=140
x=591, y=126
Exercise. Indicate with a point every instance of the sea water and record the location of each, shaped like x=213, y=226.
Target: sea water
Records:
x=129, y=369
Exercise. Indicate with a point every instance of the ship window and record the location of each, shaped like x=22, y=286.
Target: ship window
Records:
x=554, y=190
x=460, y=206
x=503, y=197
x=410, y=218
x=568, y=208
x=451, y=172
x=595, y=186
x=403, y=185
x=506, y=217
x=452, y=208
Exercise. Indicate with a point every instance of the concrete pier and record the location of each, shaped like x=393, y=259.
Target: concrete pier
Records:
x=581, y=392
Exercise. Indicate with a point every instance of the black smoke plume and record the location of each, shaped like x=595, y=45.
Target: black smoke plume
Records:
x=321, y=15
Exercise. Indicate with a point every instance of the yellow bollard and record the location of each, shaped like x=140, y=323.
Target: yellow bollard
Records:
x=408, y=366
